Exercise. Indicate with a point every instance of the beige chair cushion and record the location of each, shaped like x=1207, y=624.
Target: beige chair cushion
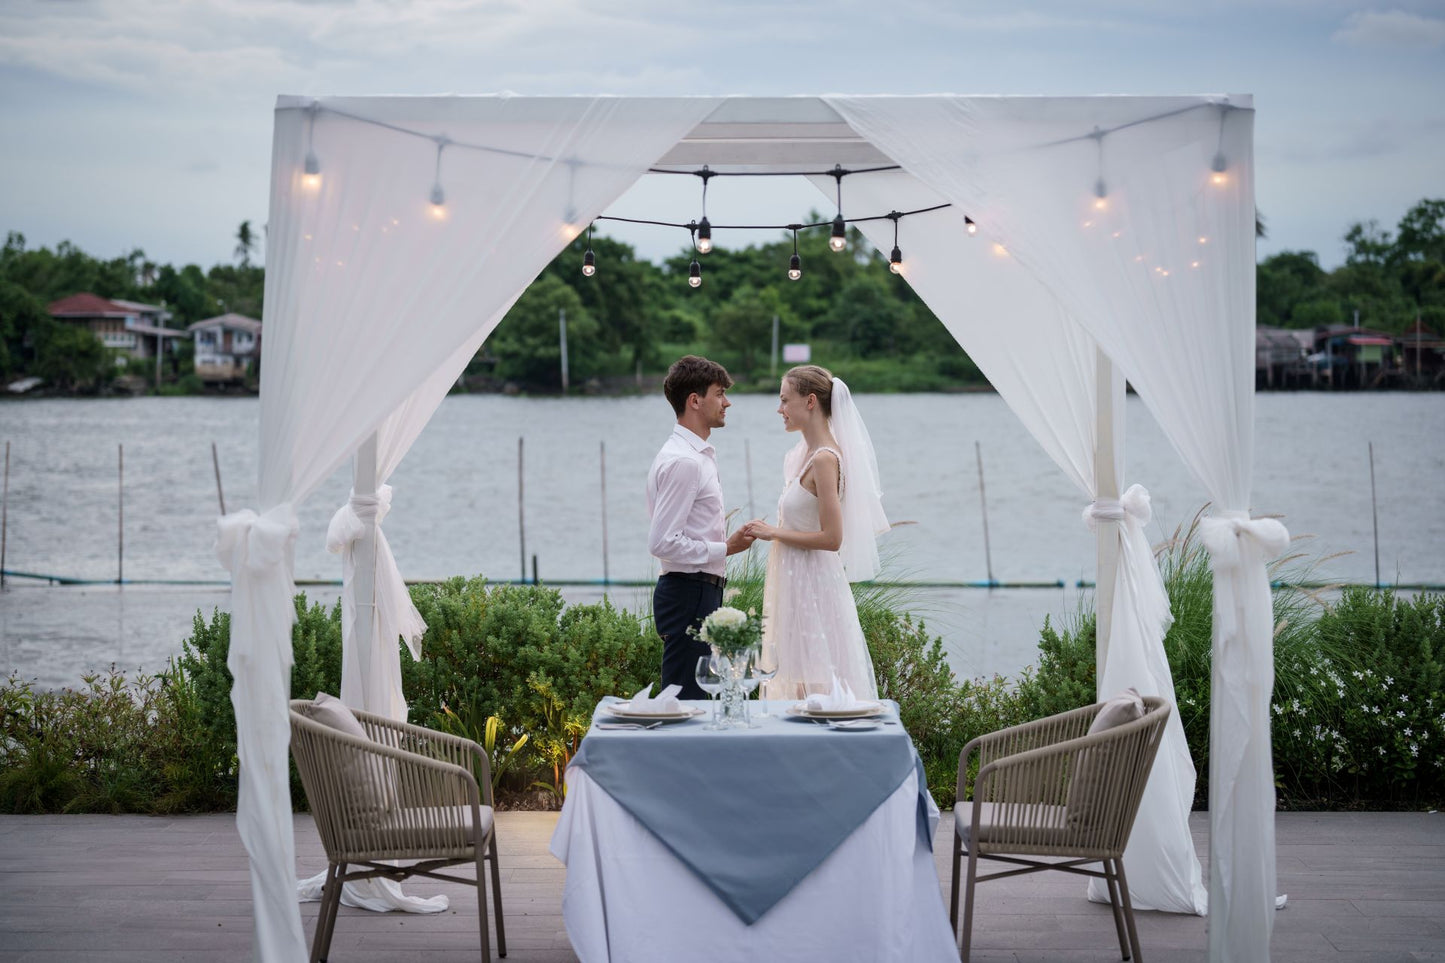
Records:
x=1091, y=766
x=401, y=829
x=368, y=778
x=1010, y=825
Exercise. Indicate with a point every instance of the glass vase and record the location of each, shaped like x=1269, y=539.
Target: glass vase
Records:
x=733, y=696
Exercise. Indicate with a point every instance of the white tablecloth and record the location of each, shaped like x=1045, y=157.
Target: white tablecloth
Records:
x=629, y=900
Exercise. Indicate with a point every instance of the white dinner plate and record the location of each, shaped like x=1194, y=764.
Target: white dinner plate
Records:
x=624, y=710
x=864, y=710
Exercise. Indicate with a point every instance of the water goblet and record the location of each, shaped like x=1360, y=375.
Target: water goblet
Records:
x=762, y=667
x=710, y=680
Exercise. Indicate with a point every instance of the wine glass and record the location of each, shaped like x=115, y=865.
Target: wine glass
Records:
x=761, y=668
x=710, y=680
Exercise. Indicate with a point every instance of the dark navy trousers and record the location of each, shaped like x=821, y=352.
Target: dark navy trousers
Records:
x=680, y=603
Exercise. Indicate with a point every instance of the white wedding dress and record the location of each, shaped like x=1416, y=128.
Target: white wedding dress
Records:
x=810, y=622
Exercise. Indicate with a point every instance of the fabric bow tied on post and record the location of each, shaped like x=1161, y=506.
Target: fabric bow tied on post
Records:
x=1132, y=505
x=256, y=548
x=371, y=679
x=1241, y=772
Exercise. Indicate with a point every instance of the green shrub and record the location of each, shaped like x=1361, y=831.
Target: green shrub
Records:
x=515, y=651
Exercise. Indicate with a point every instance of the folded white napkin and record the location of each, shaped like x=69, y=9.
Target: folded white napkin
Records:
x=840, y=698
x=666, y=700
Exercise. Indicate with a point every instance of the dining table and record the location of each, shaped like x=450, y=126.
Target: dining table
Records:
x=795, y=838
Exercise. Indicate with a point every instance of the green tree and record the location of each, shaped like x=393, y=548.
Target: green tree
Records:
x=527, y=346
x=245, y=243
x=71, y=358
x=1421, y=234
x=1284, y=281
x=740, y=331
x=871, y=319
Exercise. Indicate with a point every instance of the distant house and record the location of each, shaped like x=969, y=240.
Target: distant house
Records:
x=129, y=327
x=1279, y=357
x=227, y=347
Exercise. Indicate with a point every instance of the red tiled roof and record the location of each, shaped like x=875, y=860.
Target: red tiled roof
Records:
x=86, y=305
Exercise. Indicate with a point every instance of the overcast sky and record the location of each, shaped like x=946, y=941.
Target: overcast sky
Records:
x=147, y=123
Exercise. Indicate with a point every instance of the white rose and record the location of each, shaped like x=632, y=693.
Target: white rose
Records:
x=727, y=617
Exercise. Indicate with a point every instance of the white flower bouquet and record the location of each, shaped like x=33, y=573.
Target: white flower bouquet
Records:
x=731, y=631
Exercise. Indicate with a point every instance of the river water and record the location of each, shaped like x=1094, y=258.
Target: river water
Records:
x=456, y=506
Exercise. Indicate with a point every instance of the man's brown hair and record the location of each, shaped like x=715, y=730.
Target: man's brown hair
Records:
x=693, y=375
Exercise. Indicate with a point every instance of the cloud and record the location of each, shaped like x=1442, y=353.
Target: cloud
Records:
x=1391, y=30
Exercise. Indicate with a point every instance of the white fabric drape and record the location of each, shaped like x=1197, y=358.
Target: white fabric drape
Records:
x=371, y=300
x=1159, y=270
x=863, y=516
x=1043, y=366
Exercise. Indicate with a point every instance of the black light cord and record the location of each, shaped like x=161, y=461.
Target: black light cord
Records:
x=892, y=215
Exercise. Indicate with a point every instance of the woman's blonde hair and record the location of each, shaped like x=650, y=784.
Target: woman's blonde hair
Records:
x=811, y=379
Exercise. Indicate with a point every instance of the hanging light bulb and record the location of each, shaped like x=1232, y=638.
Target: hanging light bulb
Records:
x=795, y=264
x=311, y=171
x=438, y=196
x=311, y=178
x=1219, y=165
x=895, y=259
x=839, y=239
x=702, y=229
x=969, y=225
x=589, y=260
x=694, y=274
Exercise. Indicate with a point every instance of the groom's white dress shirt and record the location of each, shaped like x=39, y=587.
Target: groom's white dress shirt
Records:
x=684, y=497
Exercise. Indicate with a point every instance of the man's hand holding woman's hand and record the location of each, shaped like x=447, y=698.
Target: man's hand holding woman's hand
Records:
x=740, y=541
x=757, y=528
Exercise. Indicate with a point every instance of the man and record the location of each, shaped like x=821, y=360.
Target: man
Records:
x=688, y=534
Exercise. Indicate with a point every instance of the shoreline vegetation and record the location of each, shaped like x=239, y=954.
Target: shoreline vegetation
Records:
x=629, y=321
x=1358, y=709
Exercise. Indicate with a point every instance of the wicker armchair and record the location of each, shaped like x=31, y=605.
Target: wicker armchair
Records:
x=402, y=793
x=1052, y=791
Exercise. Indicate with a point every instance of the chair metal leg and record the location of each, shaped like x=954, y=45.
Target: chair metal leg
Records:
x=1128, y=912
x=967, y=940
x=1111, y=881
x=953, y=890
x=480, y=849
x=326, y=919
x=497, y=897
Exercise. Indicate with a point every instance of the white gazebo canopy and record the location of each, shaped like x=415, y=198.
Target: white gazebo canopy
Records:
x=1111, y=238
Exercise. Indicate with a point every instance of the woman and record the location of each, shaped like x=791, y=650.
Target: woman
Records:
x=829, y=517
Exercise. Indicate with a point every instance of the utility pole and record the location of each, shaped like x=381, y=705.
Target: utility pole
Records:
x=773, y=368
x=562, y=334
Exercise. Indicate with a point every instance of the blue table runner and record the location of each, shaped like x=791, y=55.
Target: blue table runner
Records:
x=751, y=811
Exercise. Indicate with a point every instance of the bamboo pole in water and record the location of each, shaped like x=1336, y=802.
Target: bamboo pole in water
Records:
x=748, y=460
x=216, y=463
x=120, y=515
x=983, y=504
x=521, y=522
x=1375, y=514
x=603, y=462
x=4, y=513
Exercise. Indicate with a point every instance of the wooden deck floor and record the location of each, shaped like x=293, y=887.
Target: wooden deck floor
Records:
x=85, y=889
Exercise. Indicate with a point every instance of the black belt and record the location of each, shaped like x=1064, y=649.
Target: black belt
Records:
x=707, y=577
